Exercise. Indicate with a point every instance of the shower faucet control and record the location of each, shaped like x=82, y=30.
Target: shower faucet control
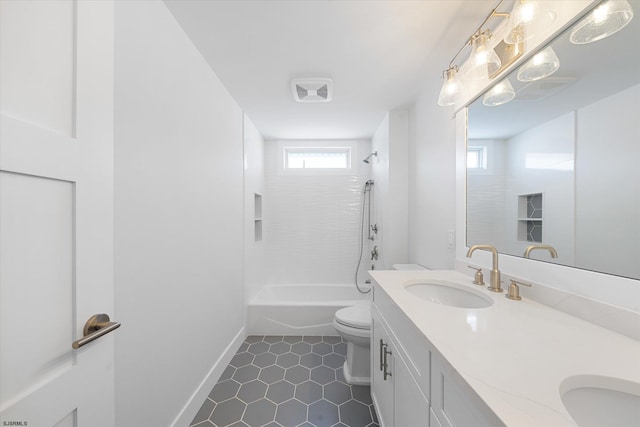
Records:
x=374, y=253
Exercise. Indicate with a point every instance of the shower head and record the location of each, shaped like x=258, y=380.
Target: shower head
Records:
x=375, y=153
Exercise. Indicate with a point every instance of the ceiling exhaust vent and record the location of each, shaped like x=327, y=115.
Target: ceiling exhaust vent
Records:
x=312, y=90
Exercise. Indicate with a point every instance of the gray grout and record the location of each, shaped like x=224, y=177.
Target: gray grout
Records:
x=328, y=384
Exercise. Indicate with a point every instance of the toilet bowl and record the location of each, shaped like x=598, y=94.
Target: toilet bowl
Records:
x=354, y=326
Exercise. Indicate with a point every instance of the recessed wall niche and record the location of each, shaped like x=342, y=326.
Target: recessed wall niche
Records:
x=530, y=218
x=257, y=217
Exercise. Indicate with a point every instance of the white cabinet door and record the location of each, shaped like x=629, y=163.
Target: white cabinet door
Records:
x=382, y=385
x=56, y=204
x=411, y=406
x=453, y=402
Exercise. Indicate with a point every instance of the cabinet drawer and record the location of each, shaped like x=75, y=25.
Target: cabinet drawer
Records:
x=408, y=339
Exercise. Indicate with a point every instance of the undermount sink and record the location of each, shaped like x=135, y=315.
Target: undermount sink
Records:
x=448, y=293
x=594, y=401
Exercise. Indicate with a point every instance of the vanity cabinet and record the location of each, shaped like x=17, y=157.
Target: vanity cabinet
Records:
x=398, y=381
x=411, y=384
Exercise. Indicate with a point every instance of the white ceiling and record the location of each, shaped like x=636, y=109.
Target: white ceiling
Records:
x=380, y=55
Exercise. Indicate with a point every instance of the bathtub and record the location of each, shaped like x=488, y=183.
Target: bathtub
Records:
x=299, y=309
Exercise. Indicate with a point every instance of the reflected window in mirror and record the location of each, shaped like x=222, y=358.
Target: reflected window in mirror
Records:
x=477, y=157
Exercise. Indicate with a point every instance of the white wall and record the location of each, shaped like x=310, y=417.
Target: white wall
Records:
x=178, y=219
x=391, y=189
x=312, y=222
x=254, y=183
x=608, y=201
x=432, y=203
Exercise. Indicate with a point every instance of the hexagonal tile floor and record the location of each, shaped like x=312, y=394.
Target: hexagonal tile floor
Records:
x=287, y=382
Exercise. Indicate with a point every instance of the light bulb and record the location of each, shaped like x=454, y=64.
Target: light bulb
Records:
x=483, y=60
x=543, y=64
x=525, y=16
x=500, y=94
x=450, y=88
x=603, y=21
x=600, y=13
x=526, y=12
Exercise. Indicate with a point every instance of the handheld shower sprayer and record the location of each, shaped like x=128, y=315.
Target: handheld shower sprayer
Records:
x=366, y=160
x=366, y=202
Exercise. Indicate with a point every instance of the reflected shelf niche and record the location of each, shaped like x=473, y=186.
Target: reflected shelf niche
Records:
x=530, y=218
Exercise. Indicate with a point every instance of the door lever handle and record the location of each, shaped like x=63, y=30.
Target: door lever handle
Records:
x=97, y=326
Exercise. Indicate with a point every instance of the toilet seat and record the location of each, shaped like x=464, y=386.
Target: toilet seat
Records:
x=357, y=316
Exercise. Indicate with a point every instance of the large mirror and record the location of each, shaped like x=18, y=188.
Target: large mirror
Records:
x=559, y=164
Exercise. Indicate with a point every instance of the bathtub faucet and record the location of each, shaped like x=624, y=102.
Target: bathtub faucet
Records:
x=374, y=253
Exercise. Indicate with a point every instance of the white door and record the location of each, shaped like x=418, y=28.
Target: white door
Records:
x=56, y=211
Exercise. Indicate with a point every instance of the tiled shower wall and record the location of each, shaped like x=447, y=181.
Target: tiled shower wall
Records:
x=312, y=223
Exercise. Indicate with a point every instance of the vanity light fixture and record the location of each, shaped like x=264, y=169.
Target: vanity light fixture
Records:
x=543, y=64
x=450, y=87
x=605, y=20
x=500, y=94
x=483, y=60
x=525, y=16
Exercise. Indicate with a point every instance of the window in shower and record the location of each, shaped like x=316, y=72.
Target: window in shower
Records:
x=317, y=157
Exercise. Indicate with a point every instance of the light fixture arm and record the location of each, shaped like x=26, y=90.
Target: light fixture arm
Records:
x=494, y=13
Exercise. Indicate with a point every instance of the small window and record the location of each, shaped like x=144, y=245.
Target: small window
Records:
x=317, y=158
x=335, y=157
x=476, y=158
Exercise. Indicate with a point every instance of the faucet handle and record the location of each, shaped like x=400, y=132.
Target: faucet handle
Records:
x=514, y=290
x=479, y=278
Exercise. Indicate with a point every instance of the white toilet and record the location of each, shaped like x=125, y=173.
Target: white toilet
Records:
x=354, y=325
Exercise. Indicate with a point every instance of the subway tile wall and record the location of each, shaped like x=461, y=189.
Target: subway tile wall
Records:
x=311, y=223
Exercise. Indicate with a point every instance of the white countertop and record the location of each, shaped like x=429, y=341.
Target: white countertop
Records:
x=514, y=354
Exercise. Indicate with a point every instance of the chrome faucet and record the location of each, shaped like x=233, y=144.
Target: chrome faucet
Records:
x=494, y=277
x=551, y=250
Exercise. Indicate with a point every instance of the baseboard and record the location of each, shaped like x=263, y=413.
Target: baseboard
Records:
x=194, y=403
